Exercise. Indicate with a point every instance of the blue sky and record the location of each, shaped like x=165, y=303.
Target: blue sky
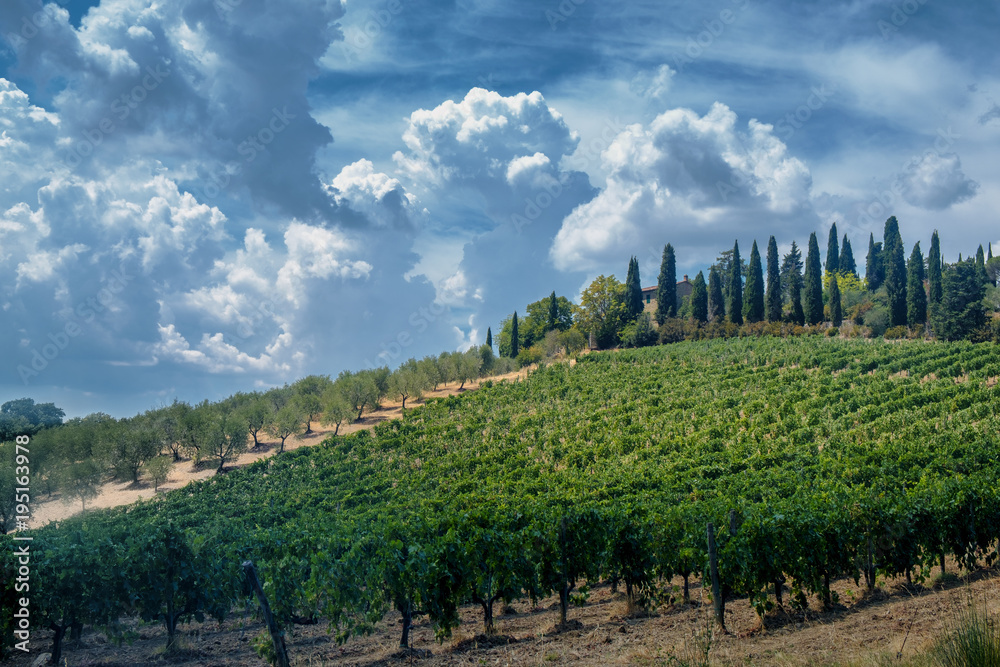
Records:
x=205, y=196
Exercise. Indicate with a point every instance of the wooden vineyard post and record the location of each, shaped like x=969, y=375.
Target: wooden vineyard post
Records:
x=272, y=626
x=713, y=568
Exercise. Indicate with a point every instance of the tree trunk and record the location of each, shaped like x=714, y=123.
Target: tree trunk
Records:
x=404, y=641
x=403, y=407
x=488, y=626
x=277, y=637
x=60, y=632
x=778, y=590
x=687, y=590
x=283, y=444
x=309, y=425
x=563, y=601
x=171, y=623
x=614, y=584
x=827, y=596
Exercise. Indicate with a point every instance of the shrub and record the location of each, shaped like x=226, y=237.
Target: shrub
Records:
x=877, y=319
x=157, y=470
x=640, y=333
x=532, y=355
x=896, y=333
x=671, y=331
x=833, y=332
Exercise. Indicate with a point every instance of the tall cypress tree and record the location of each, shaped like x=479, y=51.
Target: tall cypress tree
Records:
x=666, y=286
x=515, y=342
x=553, y=322
x=716, y=304
x=753, y=297
x=699, y=298
x=772, y=301
x=916, y=298
x=734, y=304
x=633, y=290
x=791, y=278
x=895, y=273
x=836, y=305
x=961, y=309
x=832, y=251
x=812, y=306
x=489, y=338
x=847, y=263
x=874, y=266
x=981, y=265
x=934, y=270
x=990, y=256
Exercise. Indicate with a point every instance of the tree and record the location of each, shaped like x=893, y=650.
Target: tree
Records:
x=468, y=364
x=847, y=263
x=981, y=263
x=258, y=412
x=308, y=394
x=25, y=417
x=734, y=300
x=832, y=251
x=553, y=319
x=916, y=298
x=895, y=273
x=157, y=470
x=836, y=305
x=223, y=436
x=716, y=302
x=408, y=381
x=81, y=480
x=549, y=314
x=812, y=306
x=699, y=298
x=515, y=347
x=772, y=300
x=602, y=310
x=791, y=280
x=489, y=338
x=633, y=291
x=753, y=298
x=359, y=389
x=874, y=265
x=934, y=277
x=124, y=446
x=666, y=286
x=961, y=310
x=290, y=421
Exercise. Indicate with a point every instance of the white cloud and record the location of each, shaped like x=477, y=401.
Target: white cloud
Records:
x=936, y=181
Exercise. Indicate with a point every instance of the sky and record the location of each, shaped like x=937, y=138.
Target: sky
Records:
x=199, y=197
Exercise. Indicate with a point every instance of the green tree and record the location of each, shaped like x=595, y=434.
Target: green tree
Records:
x=699, y=298
x=515, y=347
x=666, y=286
x=812, y=306
x=716, y=302
x=874, y=265
x=847, y=263
x=223, y=435
x=289, y=420
x=753, y=297
x=489, y=338
x=633, y=291
x=832, y=251
x=308, y=393
x=916, y=298
x=359, y=389
x=836, y=304
x=895, y=273
x=549, y=314
x=934, y=277
x=468, y=364
x=408, y=381
x=981, y=264
x=772, y=300
x=603, y=312
x=157, y=470
x=25, y=417
x=734, y=299
x=124, y=446
x=961, y=310
x=258, y=413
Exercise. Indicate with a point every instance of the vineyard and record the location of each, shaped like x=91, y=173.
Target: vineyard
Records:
x=813, y=459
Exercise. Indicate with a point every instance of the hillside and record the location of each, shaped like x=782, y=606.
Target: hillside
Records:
x=833, y=459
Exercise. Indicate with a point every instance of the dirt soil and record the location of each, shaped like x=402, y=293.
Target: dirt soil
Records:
x=895, y=619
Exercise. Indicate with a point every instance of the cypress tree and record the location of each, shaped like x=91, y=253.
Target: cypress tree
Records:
x=515, y=343
x=934, y=269
x=666, y=286
x=990, y=256
x=847, y=263
x=895, y=273
x=633, y=290
x=812, y=306
x=734, y=305
x=832, y=251
x=981, y=265
x=716, y=304
x=489, y=338
x=699, y=298
x=916, y=298
x=874, y=267
x=772, y=301
x=836, y=305
x=791, y=278
x=753, y=297
x=553, y=322
x=961, y=310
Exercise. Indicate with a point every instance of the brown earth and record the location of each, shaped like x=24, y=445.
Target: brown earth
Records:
x=894, y=620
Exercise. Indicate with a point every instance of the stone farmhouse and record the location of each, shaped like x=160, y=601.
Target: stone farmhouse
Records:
x=649, y=295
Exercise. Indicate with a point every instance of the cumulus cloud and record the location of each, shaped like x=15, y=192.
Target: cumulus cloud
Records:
x=936, y=181
x=680, y=177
